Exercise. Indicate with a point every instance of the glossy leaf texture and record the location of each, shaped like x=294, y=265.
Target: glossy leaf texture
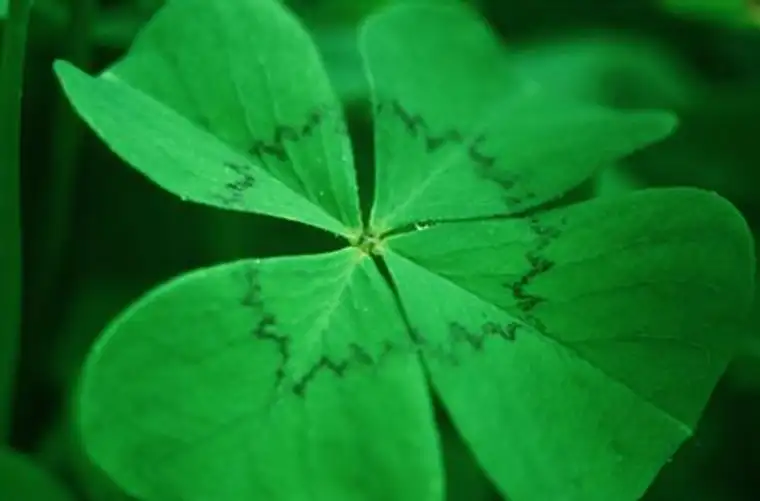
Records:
x=460, y=133
x=281, y=379
x=576, y=349
x=227, y=104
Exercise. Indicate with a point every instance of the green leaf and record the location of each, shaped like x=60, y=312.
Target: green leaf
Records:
x=227, y=104
x=453, y=120
x=281, y=379
x=576, y=349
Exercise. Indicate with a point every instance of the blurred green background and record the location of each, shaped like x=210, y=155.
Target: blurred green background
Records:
x=97, y=235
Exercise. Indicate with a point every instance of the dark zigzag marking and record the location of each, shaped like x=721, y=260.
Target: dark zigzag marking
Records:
x=539, y=264
x=417, y=127
x=288, y=133
x=235, y=190
x=275, y=148
x=460, y=333
x=265, y=329
x=358, y=356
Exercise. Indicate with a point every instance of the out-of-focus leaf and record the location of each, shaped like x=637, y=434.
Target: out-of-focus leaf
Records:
x=610, y=69
x=337, y=44
x=715, y=146
x=23, y=480
x=732, y=12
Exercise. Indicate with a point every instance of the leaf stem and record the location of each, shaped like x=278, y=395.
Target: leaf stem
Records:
x=11, y=85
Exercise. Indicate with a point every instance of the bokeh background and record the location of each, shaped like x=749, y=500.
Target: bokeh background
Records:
x=97, y=234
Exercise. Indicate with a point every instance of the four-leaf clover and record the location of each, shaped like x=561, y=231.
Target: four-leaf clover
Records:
x=574, y=348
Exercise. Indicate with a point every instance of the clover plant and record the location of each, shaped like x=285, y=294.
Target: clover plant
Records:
x=574, y=348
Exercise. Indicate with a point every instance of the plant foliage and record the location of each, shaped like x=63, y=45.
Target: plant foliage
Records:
x=574, y=347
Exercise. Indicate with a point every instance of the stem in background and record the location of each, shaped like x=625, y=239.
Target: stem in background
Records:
x=11, y=85
x=59, y=197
